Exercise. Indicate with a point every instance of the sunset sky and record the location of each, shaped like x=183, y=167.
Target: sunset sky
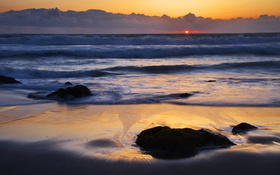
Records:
x=223, y=9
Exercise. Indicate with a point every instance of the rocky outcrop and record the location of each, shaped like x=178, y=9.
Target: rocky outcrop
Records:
x=71, y=92
x=164, y=142
x=243, y=128
x=8, y=80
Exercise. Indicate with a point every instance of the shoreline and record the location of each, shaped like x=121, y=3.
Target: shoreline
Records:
x=18, y=97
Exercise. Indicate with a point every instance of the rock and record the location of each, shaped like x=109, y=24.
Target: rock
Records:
x=68, y=83
x=167, y=143
x=8, y=80
x=185, y=95
x=211, y=81
x=105, y=143
x=242, y=128
x=71, y=92
x=36, y=95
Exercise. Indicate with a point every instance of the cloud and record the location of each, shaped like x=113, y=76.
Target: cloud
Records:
x=98, y=21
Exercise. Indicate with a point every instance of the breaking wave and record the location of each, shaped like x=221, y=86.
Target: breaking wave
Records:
x=270, y=66
x=171, y=39
x=262, y=65
x=132, y=51
x=35, y=73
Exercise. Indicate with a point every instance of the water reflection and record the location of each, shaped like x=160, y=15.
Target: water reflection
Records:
x=109, y=131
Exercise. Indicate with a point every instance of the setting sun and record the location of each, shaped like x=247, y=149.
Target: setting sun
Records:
x=187, y=32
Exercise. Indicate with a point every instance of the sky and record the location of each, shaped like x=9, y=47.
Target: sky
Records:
x=139, y=16
x=223, y=9
x=55, y=21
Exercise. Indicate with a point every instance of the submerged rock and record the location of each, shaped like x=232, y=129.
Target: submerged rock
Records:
x=167, y=143
x=71, y=92
x=211, y=81
x=242, y=128
x=8, y=80
x=105, y=143
x=37, y=95
x=68, y=83
x=185, y=95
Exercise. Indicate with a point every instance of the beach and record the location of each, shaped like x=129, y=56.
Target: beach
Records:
x=136, y=82
x=69, y=139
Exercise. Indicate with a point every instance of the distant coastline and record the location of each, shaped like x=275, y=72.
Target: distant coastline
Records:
x=53, y=21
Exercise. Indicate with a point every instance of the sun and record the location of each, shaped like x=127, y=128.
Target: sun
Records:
x=187, y=32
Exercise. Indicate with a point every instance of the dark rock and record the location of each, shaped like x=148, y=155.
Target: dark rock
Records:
x=242, y=128
x=60, y=93
x=211, y=81
x=105, y=143
x=70, y=92
x=185, y=95
x=172, y=96
x=68, y=83
x=8, y=80
x=167, y=143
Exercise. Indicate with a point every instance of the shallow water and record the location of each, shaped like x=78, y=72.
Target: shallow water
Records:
x=109, y=132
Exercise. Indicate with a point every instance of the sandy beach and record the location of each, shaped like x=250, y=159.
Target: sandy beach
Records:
x=54, y=138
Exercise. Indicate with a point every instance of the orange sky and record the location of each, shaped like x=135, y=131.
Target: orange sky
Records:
x=207, y=8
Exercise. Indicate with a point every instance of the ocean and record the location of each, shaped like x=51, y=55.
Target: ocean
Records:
x=139, y=82
x=217, y=69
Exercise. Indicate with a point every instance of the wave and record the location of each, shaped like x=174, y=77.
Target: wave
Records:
x=114, y=98
x=132, y=51
x=208, y=39
x=165, y=69
x=35, y=73
x=264, y=66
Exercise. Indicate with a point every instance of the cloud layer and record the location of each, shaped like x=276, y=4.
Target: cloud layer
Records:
x=101, y=22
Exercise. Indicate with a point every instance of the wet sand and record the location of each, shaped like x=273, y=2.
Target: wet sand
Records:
x=100, y=139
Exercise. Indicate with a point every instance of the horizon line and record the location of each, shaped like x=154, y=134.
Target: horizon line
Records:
x=206, y=33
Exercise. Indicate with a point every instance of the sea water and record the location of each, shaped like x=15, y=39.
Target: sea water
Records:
x=217, y=69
